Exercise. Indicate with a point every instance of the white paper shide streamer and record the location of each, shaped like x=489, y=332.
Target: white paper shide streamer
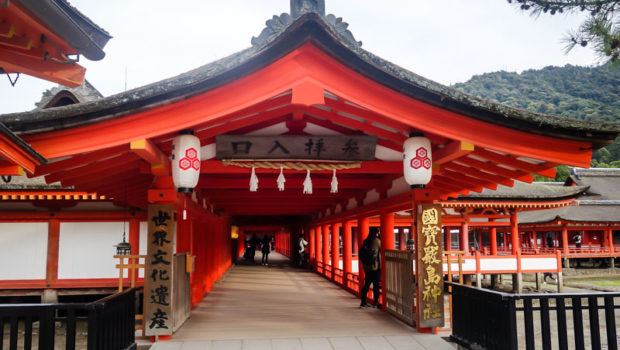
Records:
x=253, y=181
x=281, y=180
x=308, y=183
x=334, y=183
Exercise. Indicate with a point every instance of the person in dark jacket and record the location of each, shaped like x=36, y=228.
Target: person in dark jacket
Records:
x=372, y=271
x=266, y=249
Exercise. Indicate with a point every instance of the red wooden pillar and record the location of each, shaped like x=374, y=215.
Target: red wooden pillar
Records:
x=514, y=233
x=318, y=232
x=335, y=248
x=363, y=226
x=312, y=243
x=355, y=239
x=53, y=247
x=464, y=236
x=241, y=243
x=493, y=240
x=447, y=239
x=387, y=242
x=325, y=244
x=610, y=239
x=346, y=250
x=564, y=239
x=134, y=236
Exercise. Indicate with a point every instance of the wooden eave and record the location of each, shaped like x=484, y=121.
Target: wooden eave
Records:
x=16, y=155
x=36, y=38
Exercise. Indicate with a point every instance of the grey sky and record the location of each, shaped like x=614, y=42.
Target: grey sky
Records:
x=444, y=40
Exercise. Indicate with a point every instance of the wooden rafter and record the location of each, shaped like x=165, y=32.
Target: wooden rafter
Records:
x=545, y=169
x=159, y=162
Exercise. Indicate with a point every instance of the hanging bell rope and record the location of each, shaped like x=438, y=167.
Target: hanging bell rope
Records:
x=293, y=165
x=281, y=180
x=334, y=183
x=253, y=181
x=308, y=183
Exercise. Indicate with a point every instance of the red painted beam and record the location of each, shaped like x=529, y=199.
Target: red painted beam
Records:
x=545, y=169
x=79, y=160
x=493, y=168
x=93, y=168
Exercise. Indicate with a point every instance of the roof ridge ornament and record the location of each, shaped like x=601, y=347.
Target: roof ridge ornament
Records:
x=300, y=7
x=278, y=24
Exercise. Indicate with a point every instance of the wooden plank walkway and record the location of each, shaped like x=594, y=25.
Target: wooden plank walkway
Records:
x=279, y=307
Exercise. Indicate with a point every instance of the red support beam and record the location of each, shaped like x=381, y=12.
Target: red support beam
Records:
x=145, y=149
x=452, y=151
x=363, y=227
x=493, y=168
x=347, y=250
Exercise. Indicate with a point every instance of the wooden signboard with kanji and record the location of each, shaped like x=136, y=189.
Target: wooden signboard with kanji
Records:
x=341, y=147
x=158, y=275
x=429, y=267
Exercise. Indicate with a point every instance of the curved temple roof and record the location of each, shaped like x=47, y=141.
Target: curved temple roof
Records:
x=331, y=38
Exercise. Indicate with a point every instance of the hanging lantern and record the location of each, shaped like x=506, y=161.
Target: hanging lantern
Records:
x=185, y=161
x=123, y=248
x=417, y=160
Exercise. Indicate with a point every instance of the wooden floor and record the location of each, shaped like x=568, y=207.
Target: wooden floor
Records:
x=279, y=307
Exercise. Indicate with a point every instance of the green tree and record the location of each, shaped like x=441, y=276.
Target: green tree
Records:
x=601, y=30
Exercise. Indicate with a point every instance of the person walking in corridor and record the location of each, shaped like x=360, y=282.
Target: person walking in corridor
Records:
x=302, y=251
x=266, y=249
x=369, y=255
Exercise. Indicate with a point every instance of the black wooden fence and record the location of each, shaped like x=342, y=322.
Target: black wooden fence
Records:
x=488, y=319
x=110, y=323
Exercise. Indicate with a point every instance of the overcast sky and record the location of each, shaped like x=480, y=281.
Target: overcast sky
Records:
x=448, y=41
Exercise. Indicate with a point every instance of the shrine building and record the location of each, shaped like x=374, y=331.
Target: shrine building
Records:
x=301, y=134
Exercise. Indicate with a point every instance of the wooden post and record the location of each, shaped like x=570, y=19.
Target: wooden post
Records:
x=447, y=239
x=318, y=232
x=312, y=241
x=493, y=240
x=387, y=242
x=401, y=239
x=346, y=250
x=564, y=239
x=335, y=249
x=53, y=246
x=514, y=233
x=325, y=245
x=363, y=226
x=464, y=237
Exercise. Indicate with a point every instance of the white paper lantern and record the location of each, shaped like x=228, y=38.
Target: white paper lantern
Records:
x=185, y=161
x=417, y=160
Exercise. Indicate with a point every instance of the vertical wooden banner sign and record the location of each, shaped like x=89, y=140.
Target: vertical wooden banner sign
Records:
x=158, y=276
x=429, y=267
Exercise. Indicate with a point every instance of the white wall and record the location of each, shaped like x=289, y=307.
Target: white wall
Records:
x=23, y=250
x=87, y=249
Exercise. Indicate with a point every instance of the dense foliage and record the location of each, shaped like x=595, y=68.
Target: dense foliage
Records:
x=570, y=91
x=600, y=30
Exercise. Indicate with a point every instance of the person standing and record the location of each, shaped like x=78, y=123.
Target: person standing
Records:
x=369, y=255
x=550, y=244
x=265, y=249
x=302, y=250
x=577, y=239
